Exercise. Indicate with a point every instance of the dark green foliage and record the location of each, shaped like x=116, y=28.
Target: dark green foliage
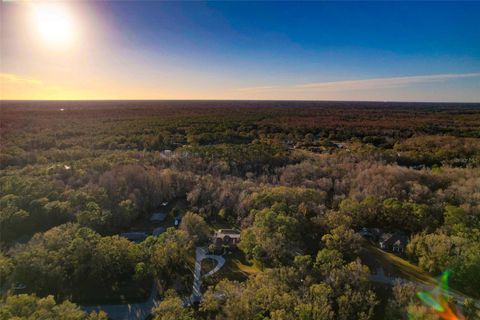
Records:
x=30, y=307
x=72, y=261
x=298, y=179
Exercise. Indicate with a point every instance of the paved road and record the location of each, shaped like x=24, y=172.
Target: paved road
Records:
x=200, y=254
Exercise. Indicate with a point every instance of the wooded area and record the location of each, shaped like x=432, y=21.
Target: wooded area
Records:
x=298, y=179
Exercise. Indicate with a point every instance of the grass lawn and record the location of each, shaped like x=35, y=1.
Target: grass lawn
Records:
x=208, y=265
x=236, y=268
x=395, y=266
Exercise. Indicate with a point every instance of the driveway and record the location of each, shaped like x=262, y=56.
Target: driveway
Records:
x=200, y=254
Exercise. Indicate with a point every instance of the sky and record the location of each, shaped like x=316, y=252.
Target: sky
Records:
x=373, y=51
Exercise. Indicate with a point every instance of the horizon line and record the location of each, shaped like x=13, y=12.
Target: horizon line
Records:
x=239, y=100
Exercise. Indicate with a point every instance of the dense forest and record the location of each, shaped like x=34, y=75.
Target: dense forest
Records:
x=298, y=180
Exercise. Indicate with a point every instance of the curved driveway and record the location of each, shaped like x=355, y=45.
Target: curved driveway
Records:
x=200, y=254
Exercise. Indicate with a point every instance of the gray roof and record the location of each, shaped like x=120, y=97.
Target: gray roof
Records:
x=158, y=217
x=134, y=235
x=397, y=239
x=232, y=233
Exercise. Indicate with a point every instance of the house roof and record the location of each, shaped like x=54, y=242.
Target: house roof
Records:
x=385, y=237
x=232, y=233
x=158, y=216
x=134, y=235
x=397, y=239
x=228, y=231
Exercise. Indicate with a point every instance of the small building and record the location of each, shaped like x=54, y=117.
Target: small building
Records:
x=135, y=236
x=394, y=242
x=226, y=237
x=158, y=231
x=158, y=217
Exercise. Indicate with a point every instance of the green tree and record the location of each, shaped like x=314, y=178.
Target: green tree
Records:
x=196, y=228
x=274, y=237
x=327, y=260
x=94, y=216
x=172, y=255
x=344, y=240
x=171, y=308
x=72, y=259
x=404, y=294
x=13, y=220
x=6, y=269
x=437, y=252
x=470, y=310
x=316, y=305
x=30, y=307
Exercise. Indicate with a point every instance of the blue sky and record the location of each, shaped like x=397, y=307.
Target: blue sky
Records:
x=270, y=50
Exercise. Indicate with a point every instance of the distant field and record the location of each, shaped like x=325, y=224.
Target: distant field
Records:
x=370, y=117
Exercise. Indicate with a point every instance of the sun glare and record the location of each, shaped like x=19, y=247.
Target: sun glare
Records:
x=54, y=23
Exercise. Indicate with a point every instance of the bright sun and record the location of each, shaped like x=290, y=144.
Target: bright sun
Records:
x=54, y=23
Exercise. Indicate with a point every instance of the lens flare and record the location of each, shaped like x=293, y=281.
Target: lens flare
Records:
x=437, y=300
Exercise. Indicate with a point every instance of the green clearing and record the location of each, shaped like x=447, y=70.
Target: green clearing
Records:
x=236, y=267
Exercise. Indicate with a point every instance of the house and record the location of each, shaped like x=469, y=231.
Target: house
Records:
x=135, y=236
x=158, y=231
x=158, y=217
x=226, y=237
x=384, y=241
x=394, y=242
